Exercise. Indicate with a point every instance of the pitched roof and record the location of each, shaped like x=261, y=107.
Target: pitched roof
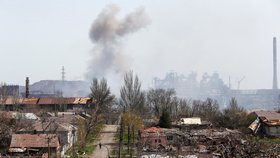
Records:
x=34, y=141
x=269, y=115
x=270, y=118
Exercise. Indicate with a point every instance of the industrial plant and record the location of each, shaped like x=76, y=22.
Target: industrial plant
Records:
x=212, y=86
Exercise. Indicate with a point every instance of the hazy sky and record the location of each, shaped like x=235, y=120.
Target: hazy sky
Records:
x=231, y=37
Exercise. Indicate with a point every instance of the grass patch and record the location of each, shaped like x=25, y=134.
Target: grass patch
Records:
x=271, y=140
x=89, y=149
x=125, y=135
x=90, y=143
x=124, y=151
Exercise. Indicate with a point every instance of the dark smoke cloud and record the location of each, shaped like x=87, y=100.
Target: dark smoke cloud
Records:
x=106, y=33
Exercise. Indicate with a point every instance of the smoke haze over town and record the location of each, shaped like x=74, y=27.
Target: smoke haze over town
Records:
x=233, y=38
x=145, y=79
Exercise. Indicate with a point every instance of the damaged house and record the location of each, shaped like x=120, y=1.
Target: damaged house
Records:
x=267, y=123
x=39, y=145
x=153, y=138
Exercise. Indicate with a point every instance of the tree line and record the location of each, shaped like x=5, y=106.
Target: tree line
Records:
x=158, y=103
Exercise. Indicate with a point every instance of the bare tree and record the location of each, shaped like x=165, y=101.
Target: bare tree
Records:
x=5, y=129
x=3, y=95
x=102, y=102
x=132, y=98
x=208, y=110
x=160, y=100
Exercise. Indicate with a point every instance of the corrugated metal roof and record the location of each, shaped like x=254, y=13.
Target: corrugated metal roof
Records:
x=34, y=140
x=269, y=115
x=84, y=100
x=31, y=101
x=69, y=100
x=76, y=101
x=11, y=101
x=190, y=121
x=45, y=101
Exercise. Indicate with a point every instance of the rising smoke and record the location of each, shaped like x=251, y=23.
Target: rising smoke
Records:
x=106, y=33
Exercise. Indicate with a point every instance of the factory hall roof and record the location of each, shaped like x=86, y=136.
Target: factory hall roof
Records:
x=45, y=101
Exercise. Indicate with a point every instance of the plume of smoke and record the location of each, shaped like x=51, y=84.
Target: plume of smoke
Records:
x=106, y=33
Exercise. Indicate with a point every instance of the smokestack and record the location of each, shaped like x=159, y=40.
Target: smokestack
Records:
x=275, y=85
x=27, y=87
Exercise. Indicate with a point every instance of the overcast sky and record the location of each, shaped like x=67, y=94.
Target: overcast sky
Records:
x=231, y=37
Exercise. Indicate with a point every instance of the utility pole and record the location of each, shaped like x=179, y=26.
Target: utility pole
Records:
x=73, y=146
x=121, y=137
x=128, y=138
x=49, y=149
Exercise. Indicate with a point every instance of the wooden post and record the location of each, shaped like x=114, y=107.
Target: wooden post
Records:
x=121, y=137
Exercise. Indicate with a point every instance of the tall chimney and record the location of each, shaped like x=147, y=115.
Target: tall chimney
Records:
x=27, y=87
x=275, y=85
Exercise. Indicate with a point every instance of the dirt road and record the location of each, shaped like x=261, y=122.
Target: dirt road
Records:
x=106, y=138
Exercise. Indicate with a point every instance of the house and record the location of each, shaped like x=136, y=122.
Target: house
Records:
x=38, y=145
x=174, y=136
x=153, y=138
x=66, y=132
x=267, y=123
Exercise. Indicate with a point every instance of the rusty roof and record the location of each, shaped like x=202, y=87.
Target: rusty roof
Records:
x=153, y=130
x=10, y=101
x=45, y=101
x=69, y=100
x=269, y=115
x=31, y=101
x=34, y=140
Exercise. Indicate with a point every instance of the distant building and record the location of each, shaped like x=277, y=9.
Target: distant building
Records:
x=47, y=104
x=9, y=90
x=212, y=86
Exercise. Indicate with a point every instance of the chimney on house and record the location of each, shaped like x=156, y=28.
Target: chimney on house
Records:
x=27, y=87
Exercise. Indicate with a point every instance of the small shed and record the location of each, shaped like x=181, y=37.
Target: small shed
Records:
x=267, y=123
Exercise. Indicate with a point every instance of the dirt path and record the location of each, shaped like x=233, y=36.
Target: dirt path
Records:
x=106, y=138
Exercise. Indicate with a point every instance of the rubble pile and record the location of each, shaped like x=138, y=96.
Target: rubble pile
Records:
x=218, y=143
x=225, y=143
